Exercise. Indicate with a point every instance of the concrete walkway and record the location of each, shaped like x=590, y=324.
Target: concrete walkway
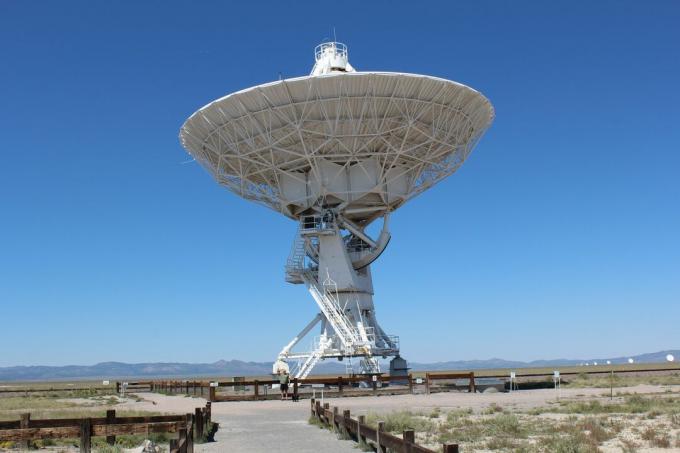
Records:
x=279, y=426
x=254, y=427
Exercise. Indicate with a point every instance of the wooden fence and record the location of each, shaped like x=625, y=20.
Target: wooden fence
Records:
x=341, y=386
x=26, y=390
x=188, y=427
x=359, y=431
x=137, y=386
x=431, y=377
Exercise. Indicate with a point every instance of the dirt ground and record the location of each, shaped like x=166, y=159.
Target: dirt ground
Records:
x=283, y=426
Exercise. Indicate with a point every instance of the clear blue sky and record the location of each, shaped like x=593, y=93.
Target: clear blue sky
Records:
x=559, y=237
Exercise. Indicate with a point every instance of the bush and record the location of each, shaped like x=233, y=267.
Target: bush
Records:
x=655, y=438
x=505, y=425
x=398, y=422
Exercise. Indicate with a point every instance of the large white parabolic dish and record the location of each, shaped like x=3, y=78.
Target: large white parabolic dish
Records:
x=363, y=142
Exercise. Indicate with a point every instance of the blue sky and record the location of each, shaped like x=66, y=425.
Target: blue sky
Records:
x=559, y=237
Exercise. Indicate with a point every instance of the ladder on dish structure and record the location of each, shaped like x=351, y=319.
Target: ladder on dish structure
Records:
x=313, y=359
x=296, y=260
x=328, y=302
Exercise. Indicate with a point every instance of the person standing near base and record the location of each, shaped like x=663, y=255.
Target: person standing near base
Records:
x=284, y=379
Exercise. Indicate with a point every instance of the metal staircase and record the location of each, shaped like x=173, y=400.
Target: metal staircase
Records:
x=313, y=359
x=327, y=300
x=296, y=260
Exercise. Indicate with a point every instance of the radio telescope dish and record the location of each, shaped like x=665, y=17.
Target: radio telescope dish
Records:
x=335, y=151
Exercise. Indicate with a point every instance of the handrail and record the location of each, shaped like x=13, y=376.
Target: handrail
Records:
x=340, y=49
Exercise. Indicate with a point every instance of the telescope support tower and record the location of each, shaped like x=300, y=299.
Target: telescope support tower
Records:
x=331, y=256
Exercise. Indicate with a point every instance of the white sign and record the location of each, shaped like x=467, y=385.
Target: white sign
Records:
x=556, y=373
x=512, y=375
x=670, y=357
x=375, y=378
x=214, y=384
x=105, y=382
x=419, y=380
x=318, y=386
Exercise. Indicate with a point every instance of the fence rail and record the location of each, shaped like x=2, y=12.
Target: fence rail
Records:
x=362, y=433
x=342, y=385
x=431, y=382
x=26, y=391
x=188, y=427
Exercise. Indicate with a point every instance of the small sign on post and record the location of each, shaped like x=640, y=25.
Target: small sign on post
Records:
x=214, y=384
x=556, y=380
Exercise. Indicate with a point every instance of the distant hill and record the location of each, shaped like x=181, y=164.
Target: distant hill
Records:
x=114, y=370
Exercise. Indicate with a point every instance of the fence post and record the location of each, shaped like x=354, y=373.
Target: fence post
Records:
x=345, y=423
x=86, y=435
x=336, y=426
x=313, y=404
x=257, y=389
x=427, y=383
x=327, y=407
x=472, y=382
x=211, y=393
x=190, y=433
x=182, y=441
x=410, y=383
x=208, y=412
x=198, y=428
x=110, y=420
x=23, y=424
x=296, y=397
x=360, y=438
x=375, y=386
x=378, y=440
x=450, y=448
x=339, y=385
x=409, y=437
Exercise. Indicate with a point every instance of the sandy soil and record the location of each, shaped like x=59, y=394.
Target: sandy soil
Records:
x=257, y=426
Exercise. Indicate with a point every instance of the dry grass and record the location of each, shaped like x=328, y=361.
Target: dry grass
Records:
x=652, y=406
x=584, y=380
x=56, y=406
x=576, y=426
x=397, y=422
x=657, y=438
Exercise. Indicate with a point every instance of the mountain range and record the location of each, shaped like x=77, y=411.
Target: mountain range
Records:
x=117, y=370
